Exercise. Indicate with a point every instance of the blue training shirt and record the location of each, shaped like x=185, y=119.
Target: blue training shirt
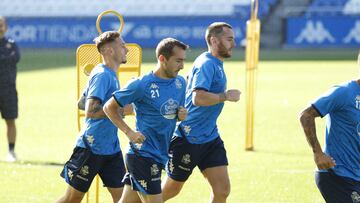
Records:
x=101, y=133
x=200, y=125
x=341, y=105
x=156, y=102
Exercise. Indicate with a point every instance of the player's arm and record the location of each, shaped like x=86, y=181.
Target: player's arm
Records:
x=94, y=109
x=307, y=120
x=114, y=112
x=204, y=98
x=81, y=102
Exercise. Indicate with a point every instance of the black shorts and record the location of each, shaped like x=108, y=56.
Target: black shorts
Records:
x=337, y=189
x=83, y=166
x=184, y=156
x=8, y=102
x=144, y=174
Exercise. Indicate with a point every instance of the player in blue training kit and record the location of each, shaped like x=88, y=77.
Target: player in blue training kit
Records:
x=196, y=141
x=338, y=175
x=158, y=100
x=97, y=149
x=9, y=57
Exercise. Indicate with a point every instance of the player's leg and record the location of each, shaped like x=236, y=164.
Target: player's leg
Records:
x=213, y=165
x=71, y=196
x=9, y=111
x=184, y=157
x=171, y=188
x=112, y=173
x=150, y=198
x=79, y=173
x=115, y=193
x=11, y=135
x=129, y=195
x=218, y=179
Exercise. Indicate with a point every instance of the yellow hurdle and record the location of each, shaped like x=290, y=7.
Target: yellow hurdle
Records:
x=87, y=57
x=252, y=59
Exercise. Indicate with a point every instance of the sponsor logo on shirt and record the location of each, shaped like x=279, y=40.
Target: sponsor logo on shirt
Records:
x=169, y=109
x=90, y=139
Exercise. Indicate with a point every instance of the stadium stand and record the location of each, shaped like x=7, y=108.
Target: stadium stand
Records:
x=62, y=8
x=352, y=7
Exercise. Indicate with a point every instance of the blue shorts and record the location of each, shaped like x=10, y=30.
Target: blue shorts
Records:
x=337, y=189
x=184, y=156
x=83, y=166
x=8, y=102
x=144, y=174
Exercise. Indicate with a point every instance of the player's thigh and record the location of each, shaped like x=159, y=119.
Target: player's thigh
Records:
x=113, y=171
x=150, y=198
x=218, y=178
x=184, y=157
x=129, y=195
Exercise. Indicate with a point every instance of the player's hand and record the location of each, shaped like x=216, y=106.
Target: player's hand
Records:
x=136, y=137
x=324, y=161
x=182, y=113
x=232, y=95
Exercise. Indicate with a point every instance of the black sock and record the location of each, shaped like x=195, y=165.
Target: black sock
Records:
x=11, y=146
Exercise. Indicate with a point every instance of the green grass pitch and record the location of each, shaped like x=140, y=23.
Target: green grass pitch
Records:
x=280, y=170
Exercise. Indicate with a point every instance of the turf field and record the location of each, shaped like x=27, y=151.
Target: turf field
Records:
x=280, y=170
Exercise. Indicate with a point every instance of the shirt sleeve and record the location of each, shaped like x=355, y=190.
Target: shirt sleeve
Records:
x=203, y=77
x=132, y=92
x=330, y=101
x=98, y=87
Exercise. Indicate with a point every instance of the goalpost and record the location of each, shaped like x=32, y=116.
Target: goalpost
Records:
x=87, y=57
x=252, y=59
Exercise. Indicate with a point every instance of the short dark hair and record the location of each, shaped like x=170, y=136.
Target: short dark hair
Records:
x=105, y=38
x=215, y=29
x=166, y=46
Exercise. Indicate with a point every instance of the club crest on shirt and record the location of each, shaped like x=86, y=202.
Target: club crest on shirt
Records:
x=357, y=101
x=178, y=84
x=169, y=109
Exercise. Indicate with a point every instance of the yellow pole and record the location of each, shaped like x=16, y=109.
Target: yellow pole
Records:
x=252, y=59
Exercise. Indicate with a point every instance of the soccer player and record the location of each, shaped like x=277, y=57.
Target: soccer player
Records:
x=97, y=149
x=158, y=99
x=338, y=175
x=196, y=141
x=9, y=57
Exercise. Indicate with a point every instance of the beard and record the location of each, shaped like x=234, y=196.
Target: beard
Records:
x=223, y=51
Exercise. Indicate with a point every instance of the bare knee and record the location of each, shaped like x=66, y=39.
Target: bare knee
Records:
x=221, y=191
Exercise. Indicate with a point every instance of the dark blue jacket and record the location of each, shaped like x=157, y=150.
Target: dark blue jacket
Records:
x=9, y=57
